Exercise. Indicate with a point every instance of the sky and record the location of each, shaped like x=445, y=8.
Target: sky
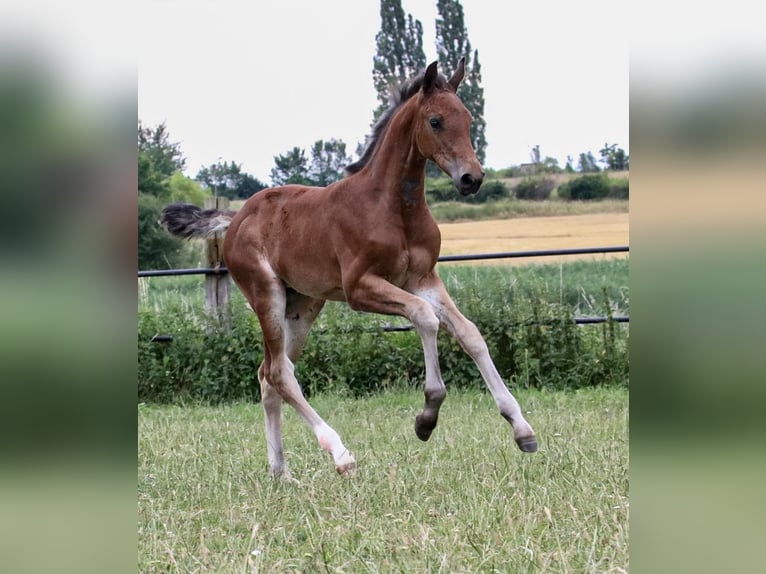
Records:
x=245, y=81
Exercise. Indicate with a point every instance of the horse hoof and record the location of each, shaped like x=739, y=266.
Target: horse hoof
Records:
x=423, y=429
x=527, y=443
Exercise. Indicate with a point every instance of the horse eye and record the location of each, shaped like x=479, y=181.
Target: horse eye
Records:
x=435, y=123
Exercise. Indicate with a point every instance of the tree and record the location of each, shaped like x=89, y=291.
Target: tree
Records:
x=154, y=144
x=186, y=190
x=291, y=167
x=328, y=162
x=158, y=160
x=587, y=163
x=399, y=54
x=614, y=158
x=228, y=180
x=534, y=155
x=452, y=44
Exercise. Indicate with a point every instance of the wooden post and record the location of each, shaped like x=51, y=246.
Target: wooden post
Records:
x=217, y=287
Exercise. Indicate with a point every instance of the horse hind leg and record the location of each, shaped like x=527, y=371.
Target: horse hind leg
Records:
x=285, y=321
x=272, y=407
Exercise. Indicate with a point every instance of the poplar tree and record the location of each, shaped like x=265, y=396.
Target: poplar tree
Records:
x=399, y=54
x=452, y=44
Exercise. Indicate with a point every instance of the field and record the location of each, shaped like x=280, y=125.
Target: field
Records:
x=522, y=234
x=467, y=501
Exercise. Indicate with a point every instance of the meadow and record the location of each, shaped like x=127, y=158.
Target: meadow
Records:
x=466, y=501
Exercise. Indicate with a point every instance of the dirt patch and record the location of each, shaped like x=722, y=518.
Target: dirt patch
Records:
x=523, y=234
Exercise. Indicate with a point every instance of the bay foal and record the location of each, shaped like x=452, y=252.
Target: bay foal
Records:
x=368, y=239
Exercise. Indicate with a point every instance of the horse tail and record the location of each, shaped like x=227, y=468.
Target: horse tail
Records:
x=188, y=221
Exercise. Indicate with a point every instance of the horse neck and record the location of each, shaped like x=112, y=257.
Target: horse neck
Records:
x=399, y=163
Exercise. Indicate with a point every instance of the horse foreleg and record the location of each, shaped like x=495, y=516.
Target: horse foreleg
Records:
x=376, y=295
x=470, y=339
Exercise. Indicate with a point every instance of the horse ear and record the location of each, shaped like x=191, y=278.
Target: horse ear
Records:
x=457, y=77
x=429, y=79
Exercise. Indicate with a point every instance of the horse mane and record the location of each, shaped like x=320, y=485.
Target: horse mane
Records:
x=398, y=97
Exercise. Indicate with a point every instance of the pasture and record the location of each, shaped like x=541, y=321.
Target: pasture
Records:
x=466, y=501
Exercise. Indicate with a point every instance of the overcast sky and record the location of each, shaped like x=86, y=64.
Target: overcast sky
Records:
x=245, y=81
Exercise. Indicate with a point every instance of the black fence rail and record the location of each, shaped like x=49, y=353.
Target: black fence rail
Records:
x=443, y=259
x=221, y=270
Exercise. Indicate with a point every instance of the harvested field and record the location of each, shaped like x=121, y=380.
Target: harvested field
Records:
x=522, y=234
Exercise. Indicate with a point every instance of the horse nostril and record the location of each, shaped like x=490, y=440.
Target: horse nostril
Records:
x=467, y=179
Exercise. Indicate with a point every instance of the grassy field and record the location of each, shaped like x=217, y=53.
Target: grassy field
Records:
x=467, y=501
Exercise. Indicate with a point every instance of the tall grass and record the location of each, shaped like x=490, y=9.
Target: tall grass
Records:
x=524, y=313
x=467, y=501
x=448, y=211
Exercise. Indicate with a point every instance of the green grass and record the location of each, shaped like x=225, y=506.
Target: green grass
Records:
x=466, y=501
x=578, y=283
x=450, y=211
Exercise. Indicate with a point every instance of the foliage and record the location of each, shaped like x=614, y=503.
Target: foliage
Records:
x=443, y=189
x=328, y=162
x=291, y=167
x=452, y=44
x=586, y=187
x=614, y=158
x=155, y=146
x=534, y=188
x=158, y=160
x=587, y=163
x=399, y=52
x=619, y=188
x=525, y=317
x=157, y=249
x=447, y=211
x=186, y=190
x=228, y=180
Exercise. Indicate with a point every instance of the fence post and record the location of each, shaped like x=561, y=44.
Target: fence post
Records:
x=217, y=286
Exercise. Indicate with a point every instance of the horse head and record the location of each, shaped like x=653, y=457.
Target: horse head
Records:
x=443, y=129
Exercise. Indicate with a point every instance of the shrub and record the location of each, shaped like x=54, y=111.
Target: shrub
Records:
x=443, y=189
x=534, y=188
x=527, y=324
x=586, y=187
x=619, y=188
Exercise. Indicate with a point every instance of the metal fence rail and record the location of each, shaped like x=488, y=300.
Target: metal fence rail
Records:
x=221, y=270
x=444, y=258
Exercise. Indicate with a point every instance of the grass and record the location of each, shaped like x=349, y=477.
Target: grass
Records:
x=579, y=282
x=452, y=211
x=466, y=501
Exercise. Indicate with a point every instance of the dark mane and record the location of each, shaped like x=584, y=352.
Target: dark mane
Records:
x=404, y=93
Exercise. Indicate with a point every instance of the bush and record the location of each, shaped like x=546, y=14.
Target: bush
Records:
x=534, y=188
x=586, y=187
x=527, y=325
x=619, y=188
x=443, y=189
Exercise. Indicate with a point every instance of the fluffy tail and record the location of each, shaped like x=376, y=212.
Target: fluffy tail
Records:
x=188, y=221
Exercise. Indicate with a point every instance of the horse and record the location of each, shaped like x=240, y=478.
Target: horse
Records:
x=368, y=239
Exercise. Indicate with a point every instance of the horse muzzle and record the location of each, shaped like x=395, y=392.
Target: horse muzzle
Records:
x=468, y=183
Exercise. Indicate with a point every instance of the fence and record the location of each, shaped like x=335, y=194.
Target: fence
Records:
x=218, y=285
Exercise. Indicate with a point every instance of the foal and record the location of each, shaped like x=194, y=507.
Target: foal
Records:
x=368, y=239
